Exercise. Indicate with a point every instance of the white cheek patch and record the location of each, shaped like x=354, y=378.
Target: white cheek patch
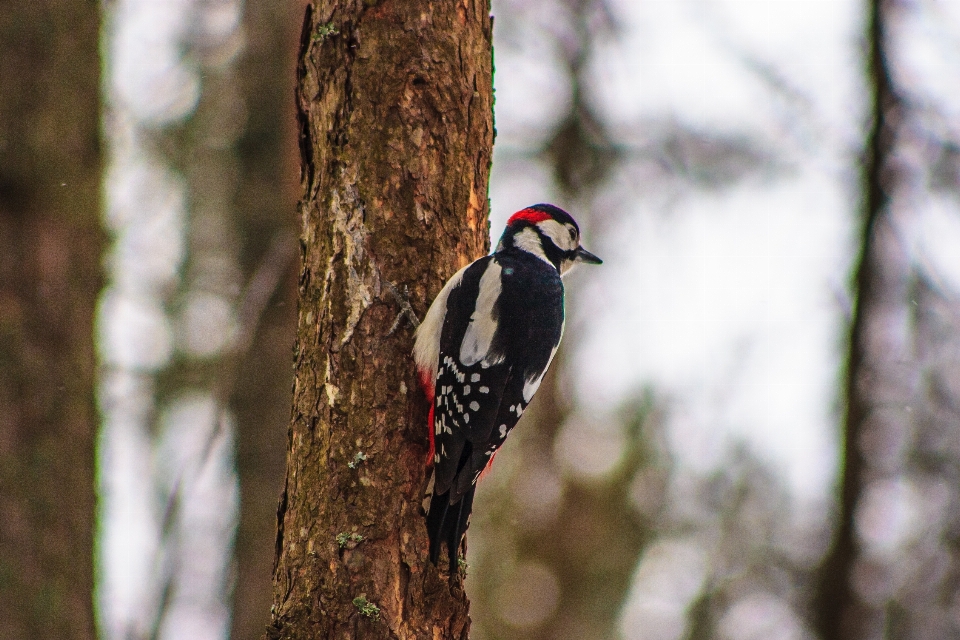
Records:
x=560, y=234
x=529, y=241
x=479, y=335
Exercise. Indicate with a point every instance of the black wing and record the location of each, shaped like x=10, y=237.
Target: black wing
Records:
x=479, y=401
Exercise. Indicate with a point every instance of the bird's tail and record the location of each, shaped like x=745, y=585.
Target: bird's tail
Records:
x=447, y=523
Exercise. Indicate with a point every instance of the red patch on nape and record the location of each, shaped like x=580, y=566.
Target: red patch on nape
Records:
x=533, y=216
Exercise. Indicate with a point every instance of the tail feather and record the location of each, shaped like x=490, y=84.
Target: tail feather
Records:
x=448, y=523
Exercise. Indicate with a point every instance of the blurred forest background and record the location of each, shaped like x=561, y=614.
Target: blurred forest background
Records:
x=753, y=428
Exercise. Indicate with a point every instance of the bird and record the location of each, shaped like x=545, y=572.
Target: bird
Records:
x=481, y=353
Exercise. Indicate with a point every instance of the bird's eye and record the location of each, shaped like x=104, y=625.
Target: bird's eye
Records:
x=573, y=233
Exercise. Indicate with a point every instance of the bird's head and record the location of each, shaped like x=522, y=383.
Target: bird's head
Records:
x=549, y=233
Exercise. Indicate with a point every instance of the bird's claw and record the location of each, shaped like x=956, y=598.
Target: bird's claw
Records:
x=405, y=309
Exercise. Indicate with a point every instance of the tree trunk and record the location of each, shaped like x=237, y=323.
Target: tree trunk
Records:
x=881, y=579
x=395, y=112
x=49, y=280
x=874, y=373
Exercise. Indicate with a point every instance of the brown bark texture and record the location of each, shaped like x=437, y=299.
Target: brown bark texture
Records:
x=50, y=246
x=396, y=132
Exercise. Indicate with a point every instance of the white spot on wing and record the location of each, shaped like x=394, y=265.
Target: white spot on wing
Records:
x=503, y=431
x=475, y=406
x=466, y=389
x=484, y=389
x=475, y=377
x=479, y=335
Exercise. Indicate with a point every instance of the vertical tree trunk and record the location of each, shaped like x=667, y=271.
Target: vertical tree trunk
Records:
x=395, y=112
x=49, y=279
x=873, y=368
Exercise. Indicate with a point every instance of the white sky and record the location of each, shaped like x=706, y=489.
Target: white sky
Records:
x=730, y=302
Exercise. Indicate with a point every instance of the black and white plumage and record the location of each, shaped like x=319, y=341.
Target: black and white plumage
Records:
x=482, y=351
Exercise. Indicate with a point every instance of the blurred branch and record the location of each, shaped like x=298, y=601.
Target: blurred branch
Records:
x=580, y=150
x=260, y=289
x=836, y=607
x=804, y=123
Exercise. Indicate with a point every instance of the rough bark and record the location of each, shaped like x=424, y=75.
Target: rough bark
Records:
x=49, y=279
x=395, y=112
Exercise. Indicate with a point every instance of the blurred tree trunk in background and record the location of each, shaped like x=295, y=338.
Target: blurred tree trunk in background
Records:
x=50, y=248
x=839, y=610
x=894, y=567
x=266, y=206
x=395, y=110
x=174, y=115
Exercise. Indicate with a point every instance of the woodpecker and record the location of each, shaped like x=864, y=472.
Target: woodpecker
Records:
x=482, y=351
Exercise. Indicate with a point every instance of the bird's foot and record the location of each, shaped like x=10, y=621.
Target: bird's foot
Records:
x=406, y=311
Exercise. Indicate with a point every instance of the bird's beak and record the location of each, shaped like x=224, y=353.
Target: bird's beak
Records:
x=585, y=256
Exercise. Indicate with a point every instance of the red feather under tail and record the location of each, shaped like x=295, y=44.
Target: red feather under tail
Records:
x=433, y=446
x=427, y=382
